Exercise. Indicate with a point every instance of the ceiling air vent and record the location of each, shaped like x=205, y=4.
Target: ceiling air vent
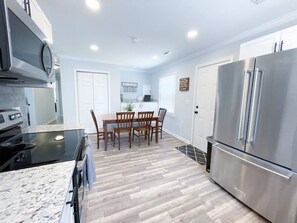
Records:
x=257, y=2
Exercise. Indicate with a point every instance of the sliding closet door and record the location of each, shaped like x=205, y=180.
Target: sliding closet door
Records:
x=92, y=93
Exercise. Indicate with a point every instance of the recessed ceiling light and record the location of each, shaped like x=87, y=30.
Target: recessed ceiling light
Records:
x=192, y=34
x=155, y=57
x=93, y=4
x=94, y=47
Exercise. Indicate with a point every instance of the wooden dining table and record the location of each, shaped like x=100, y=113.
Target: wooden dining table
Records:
x=112, y=119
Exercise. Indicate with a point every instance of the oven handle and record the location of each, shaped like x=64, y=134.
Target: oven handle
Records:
x=73, y=201
x=80, y=164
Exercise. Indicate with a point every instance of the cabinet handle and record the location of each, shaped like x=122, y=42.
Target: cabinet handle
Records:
x=281, y=46
x=27, y=7
x=73, y=200
x=275, y=45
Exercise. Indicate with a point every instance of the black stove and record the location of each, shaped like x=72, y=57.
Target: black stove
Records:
x=19, y=150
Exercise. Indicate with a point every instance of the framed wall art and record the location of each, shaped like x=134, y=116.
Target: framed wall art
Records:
x=184, y=84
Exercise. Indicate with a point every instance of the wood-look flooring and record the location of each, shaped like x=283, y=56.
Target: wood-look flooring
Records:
x=158, y=183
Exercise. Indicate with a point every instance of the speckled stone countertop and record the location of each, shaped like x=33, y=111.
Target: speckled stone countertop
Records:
x=35, y=194
x=52, y=128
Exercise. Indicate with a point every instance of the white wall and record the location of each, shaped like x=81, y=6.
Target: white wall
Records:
x=42, y=105
x=140, y=77
x=181, y=123
x=67, y=72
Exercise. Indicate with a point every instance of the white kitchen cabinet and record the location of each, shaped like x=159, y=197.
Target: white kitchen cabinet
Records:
x=39, y=18
x=67, y=213
x=21, y=2
x=143, y=106
x=282, y=40
x=289, y=38
x=260, y=46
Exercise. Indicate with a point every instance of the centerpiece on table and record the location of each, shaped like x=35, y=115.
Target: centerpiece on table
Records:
x=129, y=107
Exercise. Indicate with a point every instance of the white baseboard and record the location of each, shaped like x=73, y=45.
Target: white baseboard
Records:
x=177, y=136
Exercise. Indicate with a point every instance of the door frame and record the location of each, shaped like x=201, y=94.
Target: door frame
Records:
x=197, y=67
x=76, y=89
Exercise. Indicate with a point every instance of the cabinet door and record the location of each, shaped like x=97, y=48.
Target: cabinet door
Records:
x=40, y=19
x=67, y=213
x=21, y=2
x=47, y=29
x=150, y=106
x=36, y=14
x=260, y=46
x=289, y=37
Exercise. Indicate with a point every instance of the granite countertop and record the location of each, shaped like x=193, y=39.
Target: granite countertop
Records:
x=52, y=128
x=35, y=194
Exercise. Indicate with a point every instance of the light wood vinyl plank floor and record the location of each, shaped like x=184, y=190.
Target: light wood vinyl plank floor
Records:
x=158, y=183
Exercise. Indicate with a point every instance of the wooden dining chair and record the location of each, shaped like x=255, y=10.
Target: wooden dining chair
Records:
x=100, y=131
x=124, y=125
x=143, y=127
x=161, y=114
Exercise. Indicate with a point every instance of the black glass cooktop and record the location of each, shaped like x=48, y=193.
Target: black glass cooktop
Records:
x=35, y=149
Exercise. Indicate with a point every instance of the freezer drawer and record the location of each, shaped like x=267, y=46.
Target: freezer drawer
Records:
x=268, y=189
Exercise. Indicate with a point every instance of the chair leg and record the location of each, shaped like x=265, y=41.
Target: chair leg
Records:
x=139, y=139
x=161, y=132
x=133, y=136
x=148, y=138
x=97, y=141
x=152, y=134
x=119, y=139
x=114, y=138
x=130, y=140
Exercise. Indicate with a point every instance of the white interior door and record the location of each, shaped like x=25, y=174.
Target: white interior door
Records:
x=92, y=91
x=100, y=96
x=205, y=98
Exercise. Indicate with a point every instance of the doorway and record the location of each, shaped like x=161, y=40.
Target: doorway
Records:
x=204, y=102
x=92, y=93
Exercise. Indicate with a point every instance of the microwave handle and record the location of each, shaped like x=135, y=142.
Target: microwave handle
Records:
x=46, y=45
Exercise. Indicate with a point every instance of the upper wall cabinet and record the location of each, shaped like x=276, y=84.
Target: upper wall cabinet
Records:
x=37, y=15
x=274, y=42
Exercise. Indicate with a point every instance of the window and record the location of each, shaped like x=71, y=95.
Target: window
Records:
x=167, y=88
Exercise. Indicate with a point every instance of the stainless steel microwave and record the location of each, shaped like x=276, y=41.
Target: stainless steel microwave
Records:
x=26, y=57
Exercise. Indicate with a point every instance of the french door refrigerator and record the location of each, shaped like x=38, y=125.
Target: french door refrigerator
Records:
x=255, y=132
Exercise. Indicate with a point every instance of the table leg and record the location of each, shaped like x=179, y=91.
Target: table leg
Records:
x=105, y=135
x=157, y=131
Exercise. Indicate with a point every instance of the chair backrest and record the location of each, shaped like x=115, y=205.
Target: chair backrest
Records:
x=161, y=114
x=94, y=119
x=145, y=118
x=125, y=119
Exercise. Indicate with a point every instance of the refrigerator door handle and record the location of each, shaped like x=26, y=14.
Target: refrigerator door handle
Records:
x=244, y=104
x=255, y=105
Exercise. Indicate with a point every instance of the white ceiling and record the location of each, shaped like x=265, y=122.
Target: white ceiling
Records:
x=161, y=25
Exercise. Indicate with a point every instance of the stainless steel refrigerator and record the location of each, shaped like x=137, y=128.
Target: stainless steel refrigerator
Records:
x=254, y=156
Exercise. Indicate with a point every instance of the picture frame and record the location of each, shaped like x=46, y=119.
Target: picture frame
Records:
x=184, y=84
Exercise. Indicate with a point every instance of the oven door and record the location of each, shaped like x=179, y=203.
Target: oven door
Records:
x=81, y=204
